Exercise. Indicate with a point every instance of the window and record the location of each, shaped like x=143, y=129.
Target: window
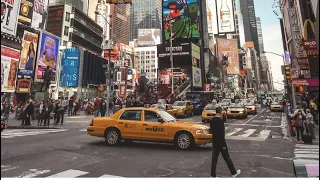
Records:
x=150, y=116
x=131, y=115
x=67, y=17
x=64, y=43
x=66, y=31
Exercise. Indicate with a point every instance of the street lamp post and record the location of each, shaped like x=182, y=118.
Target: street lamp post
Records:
x=171, y=60
x=109, y=47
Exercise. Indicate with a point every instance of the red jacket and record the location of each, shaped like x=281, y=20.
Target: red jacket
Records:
x=96, y=105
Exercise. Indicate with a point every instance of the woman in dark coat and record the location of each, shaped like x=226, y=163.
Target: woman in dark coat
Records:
x=29, y=111
x=103, y=108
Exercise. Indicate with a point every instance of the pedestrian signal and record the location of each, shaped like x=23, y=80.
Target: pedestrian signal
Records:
x=288, y=72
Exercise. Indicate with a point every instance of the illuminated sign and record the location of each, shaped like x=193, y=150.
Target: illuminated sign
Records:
x=70, y=68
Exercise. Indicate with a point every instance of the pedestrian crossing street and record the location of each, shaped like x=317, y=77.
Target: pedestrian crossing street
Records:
x=46, y=173
x=309, y=154
x=12, y=133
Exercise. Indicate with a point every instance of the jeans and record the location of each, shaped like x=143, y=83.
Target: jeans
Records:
x=60, y=116
x=225, y=154
x=70, y=111
x=96, y=113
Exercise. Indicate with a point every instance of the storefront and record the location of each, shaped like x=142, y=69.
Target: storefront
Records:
x=303, y=87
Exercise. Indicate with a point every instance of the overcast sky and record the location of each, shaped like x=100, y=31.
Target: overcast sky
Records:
x=271, y=37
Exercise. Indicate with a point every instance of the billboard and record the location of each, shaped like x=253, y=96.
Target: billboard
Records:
x=70, y=68
x=40, y=13
x=9, y=68
x=47, y=55
x=26, y=12
x=249, y=44
x=28, y=54
x=180, y=75
x=196, y=77
x=181, y=53
x=149, y=37
x=225, y=16
x=182, y=17
x=55, y=19
x=229, y=48
x=9, y=16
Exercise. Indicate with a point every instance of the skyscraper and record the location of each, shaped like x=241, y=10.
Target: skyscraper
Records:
x=260, y=38
x=145, y=14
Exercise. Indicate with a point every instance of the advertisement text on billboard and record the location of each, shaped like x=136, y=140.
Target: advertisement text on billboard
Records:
x=225, y=16
x=182, y=17
x=28, y=54
x=149, y=37
x=70, y=68
x=47, y=55
x=181, y=53
x=9, y=68
x=9, y=16
x=26, y=12
x=229, y=48
x=40, y=13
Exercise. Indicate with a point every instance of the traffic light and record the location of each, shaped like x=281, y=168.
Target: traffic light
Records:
x=288, y=72
x=117, y=2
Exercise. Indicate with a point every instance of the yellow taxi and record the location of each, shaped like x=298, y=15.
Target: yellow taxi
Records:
x=167, y=107
x=209, y=112
x=276, y=106
x=184, y=108
x=148, y=124
x=251, y=108
x=237, y=110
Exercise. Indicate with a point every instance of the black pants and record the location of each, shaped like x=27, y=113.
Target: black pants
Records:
x=41, y=118
x=103, y=113
x=60, y=116
x=47, y=119
x=70, y=112
x=225, y=154
x=299, y=132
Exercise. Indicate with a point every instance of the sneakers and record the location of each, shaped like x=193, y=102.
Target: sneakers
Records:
x=237, y=174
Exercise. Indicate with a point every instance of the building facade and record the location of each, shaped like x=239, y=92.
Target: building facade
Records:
x=260, y=37
x=145, y=14
x=146, y=62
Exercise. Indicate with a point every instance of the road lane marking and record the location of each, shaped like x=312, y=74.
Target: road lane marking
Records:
x=235, y=130
x=309, y=156
x=307, y=146
x=110, y=176
x=71, y=173
x=244, y=138
x=264, y=134
x=17, y=133
x=7, y=168
x=32, y=173
x=254, y=116
x=248, y=132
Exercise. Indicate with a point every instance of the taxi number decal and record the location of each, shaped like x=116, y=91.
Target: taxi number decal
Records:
x=155, y=129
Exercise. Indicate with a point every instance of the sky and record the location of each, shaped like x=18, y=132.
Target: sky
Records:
x=272, y=38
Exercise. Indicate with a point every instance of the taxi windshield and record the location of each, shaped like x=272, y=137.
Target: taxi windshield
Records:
x=210, y=107
x=179, y=103
x=236, y=106
x=166, y=116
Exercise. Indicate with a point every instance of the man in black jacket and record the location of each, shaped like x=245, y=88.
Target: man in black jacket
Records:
x=219, y=144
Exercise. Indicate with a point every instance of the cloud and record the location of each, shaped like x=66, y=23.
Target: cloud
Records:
x=272, y=40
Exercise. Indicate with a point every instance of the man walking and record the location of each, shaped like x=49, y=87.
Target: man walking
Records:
x=219, y=144
x=62, y=105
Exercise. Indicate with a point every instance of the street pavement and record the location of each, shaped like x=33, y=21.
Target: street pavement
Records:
x=256, y=145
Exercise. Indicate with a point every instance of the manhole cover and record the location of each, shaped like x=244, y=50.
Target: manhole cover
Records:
x=158, y=172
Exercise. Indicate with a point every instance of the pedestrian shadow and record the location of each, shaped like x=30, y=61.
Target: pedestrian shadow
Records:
x=151, y=145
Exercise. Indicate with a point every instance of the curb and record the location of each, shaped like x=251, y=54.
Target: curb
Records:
x=30, y=127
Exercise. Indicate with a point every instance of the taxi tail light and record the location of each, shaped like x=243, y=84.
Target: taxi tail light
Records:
x=91, y=124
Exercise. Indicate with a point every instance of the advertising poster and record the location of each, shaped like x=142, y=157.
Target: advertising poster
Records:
x=180, y=75
x=26, y=12
x=184, y=17
x=196, y=77
x=229, y=48
x=225, y=16
x=70, y=68
x=28, y=54
x=9, y=68
x=40, y=13
x=149, y=37
x=212, y=17
x=195, y=53
x=181, y=55
x=9, y=16
x=47, y=55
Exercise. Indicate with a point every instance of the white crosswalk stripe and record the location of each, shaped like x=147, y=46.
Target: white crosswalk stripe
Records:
x=246, y=134
x=308, y=156
x=11, y=133
x=83, y=130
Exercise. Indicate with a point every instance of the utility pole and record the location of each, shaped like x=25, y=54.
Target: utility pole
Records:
x=171, y=58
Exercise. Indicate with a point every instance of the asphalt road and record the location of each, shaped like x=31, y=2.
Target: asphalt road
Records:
x=256, y=146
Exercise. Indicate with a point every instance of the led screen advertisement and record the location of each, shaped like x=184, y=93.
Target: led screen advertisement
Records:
x=28, y=54
x=229, y=49
x=180, y=75
x=47, y=55
x=70, y=68
x=149, y=37
x=225, y=16
x=183, y=18
x=9, y=68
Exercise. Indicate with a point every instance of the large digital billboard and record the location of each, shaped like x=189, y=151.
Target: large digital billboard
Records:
x=229, y=49
x=225, y=16
x=182, y=17
x=47, y=55
x=149, y=37
x=70, y=68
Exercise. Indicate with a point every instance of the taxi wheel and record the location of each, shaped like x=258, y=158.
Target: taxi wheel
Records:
x=112, y=136
x=184, y=140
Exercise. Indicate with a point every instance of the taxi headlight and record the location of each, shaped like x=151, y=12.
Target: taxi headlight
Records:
x=202, y=131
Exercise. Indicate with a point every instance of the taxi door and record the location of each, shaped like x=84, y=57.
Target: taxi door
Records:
x=189, y=107
x=152, y=129
x=130, y=124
